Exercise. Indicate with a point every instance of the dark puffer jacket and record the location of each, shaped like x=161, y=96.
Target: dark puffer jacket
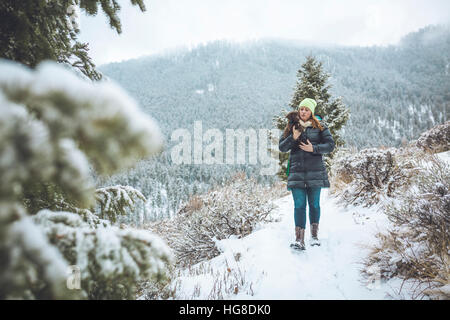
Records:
x=307, y=168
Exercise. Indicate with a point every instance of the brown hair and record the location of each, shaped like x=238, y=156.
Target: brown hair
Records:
x=291, y=119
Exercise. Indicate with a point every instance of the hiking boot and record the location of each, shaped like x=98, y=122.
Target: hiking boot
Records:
x=299, y=243
x=314, y=234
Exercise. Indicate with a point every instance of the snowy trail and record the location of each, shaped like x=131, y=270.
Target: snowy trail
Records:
x=272, y=270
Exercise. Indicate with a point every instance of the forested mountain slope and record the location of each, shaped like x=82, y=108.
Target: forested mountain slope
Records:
x=393, y=92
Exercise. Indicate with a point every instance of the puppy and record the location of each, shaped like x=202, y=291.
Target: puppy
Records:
x=293, y=120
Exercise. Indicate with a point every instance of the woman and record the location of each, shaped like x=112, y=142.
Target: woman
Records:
x=307, y=172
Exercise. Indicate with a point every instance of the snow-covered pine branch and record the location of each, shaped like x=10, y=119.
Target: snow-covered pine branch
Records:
x=73, y=16
x=117, y=200
x=112, y=261
x=53, y=126
x=50, y=30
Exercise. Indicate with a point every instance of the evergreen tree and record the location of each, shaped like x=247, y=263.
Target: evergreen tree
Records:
x=312, y=83
x=54, y=128
x=35, y=30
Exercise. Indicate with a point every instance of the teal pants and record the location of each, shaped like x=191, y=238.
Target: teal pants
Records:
x=301, y=197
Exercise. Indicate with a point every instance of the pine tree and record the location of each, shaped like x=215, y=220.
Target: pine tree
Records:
x=35, y=30
x=312, y=83
x=55, y=128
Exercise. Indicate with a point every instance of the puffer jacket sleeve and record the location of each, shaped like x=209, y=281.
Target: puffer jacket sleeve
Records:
x=286, y=144
x=326, y=144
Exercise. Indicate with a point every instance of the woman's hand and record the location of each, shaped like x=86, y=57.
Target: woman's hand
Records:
x=295, y=133
x=308, y=147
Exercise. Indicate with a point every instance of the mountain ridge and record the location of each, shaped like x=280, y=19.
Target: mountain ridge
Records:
x=229, y=85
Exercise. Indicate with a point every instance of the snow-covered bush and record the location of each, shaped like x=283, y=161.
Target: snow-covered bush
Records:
x=235, y=209
x=53, y=125
x=435, y=140
x=160, y=290
x=416, y=248
x=368, y=176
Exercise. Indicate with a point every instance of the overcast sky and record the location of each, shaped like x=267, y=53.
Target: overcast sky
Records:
x=173, y=23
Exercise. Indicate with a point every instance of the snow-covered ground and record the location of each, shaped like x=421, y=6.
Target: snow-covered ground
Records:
x=262, y=265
